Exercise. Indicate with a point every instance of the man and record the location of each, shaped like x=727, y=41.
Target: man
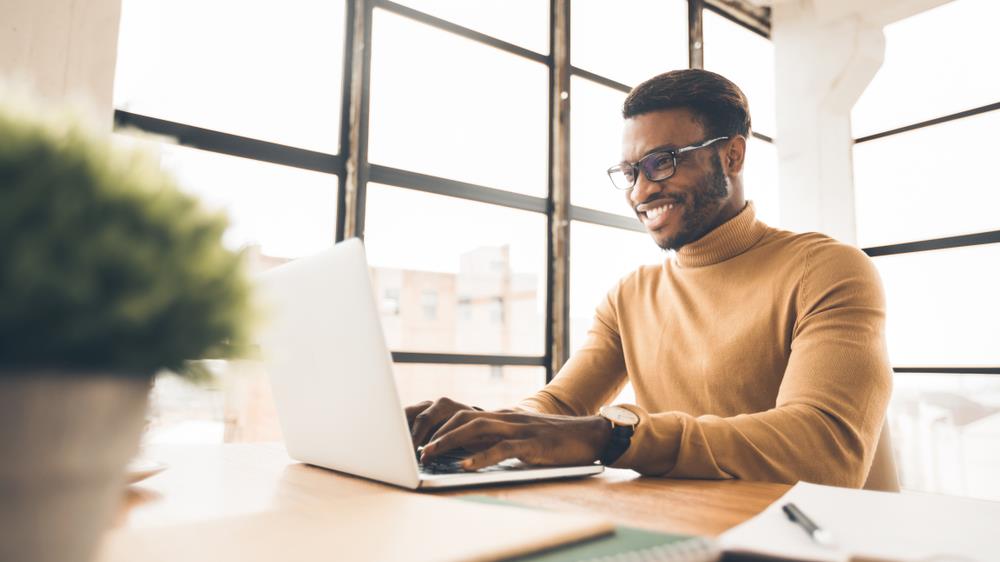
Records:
x=754, y=353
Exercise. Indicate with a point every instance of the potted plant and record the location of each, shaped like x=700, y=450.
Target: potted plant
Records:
x=108, y=274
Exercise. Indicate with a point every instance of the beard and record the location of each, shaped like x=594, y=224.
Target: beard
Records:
x=706, y=200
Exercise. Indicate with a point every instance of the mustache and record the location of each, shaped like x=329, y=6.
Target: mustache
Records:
x=668, y=197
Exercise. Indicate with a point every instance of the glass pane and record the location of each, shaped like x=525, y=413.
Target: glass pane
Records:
x=936, y=63
x=456, y=276
x=928, y=183
x=748, y=60
x=943, y=306
x=265, y=70
x=234, y=407
x=629, y=40
x=447, y=106
x=522, y=22
x=284, y=212
x=490, y=387
x=181, y=412
x=760, y=180
x=599, y=257
x=945, y=431
x=595, y=145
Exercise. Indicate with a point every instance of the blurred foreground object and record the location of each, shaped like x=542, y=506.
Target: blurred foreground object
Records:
x=109, y=275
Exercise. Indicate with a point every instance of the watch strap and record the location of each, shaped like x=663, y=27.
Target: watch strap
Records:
x=621, y=438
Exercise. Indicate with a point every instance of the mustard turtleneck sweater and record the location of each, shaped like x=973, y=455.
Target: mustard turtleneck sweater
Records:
x=754, y=353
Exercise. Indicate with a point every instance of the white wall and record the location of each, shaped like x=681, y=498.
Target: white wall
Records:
x=64, y=49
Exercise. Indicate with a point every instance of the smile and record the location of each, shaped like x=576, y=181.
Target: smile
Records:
x=654, y=213
x=658, y=214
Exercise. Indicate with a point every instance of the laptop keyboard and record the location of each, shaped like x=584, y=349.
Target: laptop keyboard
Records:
x=448, y=463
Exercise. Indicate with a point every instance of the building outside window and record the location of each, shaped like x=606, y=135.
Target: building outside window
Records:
x=429, y=304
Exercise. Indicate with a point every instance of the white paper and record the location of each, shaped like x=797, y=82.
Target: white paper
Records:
x=905, y=526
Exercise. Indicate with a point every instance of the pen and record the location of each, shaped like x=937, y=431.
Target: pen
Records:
x=795, y=514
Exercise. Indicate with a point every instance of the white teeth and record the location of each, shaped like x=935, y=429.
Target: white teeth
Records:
x=655, y=212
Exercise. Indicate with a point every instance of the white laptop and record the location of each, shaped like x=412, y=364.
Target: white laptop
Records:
x=331, y=376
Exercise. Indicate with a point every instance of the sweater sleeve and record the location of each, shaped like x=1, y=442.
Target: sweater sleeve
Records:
x=593, y=376
x=830, y=405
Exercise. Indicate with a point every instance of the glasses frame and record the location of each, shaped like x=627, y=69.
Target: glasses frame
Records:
x=637, y=166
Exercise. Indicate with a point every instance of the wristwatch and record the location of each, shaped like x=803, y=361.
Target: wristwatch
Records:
x=623, y=422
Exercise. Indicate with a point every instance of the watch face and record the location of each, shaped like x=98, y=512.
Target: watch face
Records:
x=620, y=416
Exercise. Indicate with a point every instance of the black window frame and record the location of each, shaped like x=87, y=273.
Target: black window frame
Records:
x=350, y=164
x=931, y=244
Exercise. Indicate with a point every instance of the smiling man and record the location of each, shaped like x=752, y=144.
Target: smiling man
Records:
x=754, y=352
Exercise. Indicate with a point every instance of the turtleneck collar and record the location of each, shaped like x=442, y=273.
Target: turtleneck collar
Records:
x=728, y=240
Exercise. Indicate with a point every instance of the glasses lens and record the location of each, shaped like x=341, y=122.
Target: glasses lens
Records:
x=622, y=177
x=658, y=166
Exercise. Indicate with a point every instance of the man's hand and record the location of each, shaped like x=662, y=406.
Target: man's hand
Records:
x=533, y=438
x=426, y=417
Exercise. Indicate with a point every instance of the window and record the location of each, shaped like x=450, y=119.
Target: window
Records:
x=522, y=23
x=629, y=40
x=943, y=306
x=429, y=304
x=454, y=175
x=925, y=211
x=286, y=212
x=931, y=181
x=599, y=257
x=205, y=64
x=760, y=180
x=496, y=310
x=747, y=59
x=454, y=245
x=390, y=302
x=945, y=428
x=422, y=107
x=936, y=63
x=486, y=386
x=595, y=145
x=465, y=309
x=203, y=73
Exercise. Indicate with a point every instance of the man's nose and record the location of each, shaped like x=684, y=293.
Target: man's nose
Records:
x=643, y=190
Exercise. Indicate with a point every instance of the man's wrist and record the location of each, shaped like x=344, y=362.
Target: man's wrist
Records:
x=599, y=429
x=623, y=422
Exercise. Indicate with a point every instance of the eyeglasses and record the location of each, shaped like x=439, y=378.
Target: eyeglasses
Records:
x=656, y=166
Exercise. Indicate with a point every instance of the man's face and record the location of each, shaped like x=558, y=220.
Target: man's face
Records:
x=697, y=198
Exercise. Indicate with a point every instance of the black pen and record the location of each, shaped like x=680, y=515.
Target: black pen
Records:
x=795, y=514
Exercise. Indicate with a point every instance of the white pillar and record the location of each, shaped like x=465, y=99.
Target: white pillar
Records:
x=821, y=68
x=64, y=49
x=826, y=53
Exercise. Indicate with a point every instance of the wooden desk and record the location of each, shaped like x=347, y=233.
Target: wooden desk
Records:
x=206, y=482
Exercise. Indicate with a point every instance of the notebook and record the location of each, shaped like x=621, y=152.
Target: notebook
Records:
x=868, y=525
x=626, y=544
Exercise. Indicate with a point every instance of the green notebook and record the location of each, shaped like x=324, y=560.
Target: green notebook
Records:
x=626, y=544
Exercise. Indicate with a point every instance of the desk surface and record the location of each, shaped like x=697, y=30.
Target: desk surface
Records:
x=205, y=482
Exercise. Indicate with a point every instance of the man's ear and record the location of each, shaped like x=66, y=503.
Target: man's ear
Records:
x=735, y=155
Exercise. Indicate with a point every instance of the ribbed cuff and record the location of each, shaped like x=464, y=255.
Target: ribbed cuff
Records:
x=654, y=444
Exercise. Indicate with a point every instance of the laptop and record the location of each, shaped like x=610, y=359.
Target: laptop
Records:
x=332, y=380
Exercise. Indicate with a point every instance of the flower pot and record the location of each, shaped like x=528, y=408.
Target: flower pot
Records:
x=65, y=438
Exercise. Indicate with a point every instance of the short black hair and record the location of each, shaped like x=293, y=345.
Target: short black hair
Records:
x=718, y=104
